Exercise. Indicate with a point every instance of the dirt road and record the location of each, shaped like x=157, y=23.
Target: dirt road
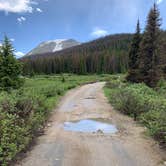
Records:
x=128, y=147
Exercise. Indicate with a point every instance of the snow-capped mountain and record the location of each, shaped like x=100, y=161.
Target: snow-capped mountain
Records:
x=53, y=46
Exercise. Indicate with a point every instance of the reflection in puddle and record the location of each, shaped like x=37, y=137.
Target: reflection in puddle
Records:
x=88, y=125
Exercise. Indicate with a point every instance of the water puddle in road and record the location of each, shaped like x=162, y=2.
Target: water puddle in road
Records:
x=89, y=125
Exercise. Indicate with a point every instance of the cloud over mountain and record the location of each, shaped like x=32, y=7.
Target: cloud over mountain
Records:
x=16, y=6
x=98, y=32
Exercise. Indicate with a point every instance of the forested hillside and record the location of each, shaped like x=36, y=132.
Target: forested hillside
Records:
x=104, y=55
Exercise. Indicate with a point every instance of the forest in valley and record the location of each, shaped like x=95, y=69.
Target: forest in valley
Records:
x=105, y=55
x=109, y=54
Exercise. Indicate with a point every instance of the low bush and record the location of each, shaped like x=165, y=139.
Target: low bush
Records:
x=142, y=103
x=155, y=121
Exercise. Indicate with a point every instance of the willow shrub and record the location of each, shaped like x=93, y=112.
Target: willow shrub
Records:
x=141, y=102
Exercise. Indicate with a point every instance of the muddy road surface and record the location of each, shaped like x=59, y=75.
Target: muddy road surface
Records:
x=128, y=146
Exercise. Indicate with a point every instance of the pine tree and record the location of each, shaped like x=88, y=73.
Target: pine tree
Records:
x=10, y=67
x=149, y=54
x=134, y=55
x=163, y=53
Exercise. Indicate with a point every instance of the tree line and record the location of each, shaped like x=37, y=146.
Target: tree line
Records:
x=147, y=55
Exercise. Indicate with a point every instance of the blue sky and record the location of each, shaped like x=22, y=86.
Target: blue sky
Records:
x=29, y=22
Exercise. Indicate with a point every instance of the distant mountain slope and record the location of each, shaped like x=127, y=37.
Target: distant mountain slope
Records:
x=53, y=46
x=117, y=42
x=105, y=55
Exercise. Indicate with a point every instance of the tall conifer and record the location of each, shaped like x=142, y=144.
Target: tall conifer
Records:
x=149, y=54
x=10, y=67
x=134, y=55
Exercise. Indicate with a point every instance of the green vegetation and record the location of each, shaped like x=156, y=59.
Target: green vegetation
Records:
x=25, y=108
x=144, y=104
x=24, y=111
x=150, y=48
x=10, y=68
x=146, y=66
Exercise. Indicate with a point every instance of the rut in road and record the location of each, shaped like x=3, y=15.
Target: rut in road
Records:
x=127, y=147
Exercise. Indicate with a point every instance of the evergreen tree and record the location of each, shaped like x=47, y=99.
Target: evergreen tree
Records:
x=10, y=67
x=163, y=53
x=134, y=55
x=149, y=54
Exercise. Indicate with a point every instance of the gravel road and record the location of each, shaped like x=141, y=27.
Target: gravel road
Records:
x=57, y=147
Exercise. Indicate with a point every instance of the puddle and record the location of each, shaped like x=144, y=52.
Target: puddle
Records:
x=89, y=125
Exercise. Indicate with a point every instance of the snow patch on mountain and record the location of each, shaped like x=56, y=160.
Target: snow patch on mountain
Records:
x=53, y=46
x=59, y=45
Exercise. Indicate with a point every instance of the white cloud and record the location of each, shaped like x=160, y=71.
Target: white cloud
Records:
x=34, y=3
x=17, y=6
x=12, y=40
x=39, y=10
x=159, y=1
x=98, y=32
x=21, y=19
x=19, y=54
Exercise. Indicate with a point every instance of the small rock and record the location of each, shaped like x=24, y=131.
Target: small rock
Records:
x=57, y=159
x=164, y=162
x=49, y=125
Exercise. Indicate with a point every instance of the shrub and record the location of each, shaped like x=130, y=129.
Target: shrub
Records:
x=141, y=102
x=155, y=121
x=14, y=136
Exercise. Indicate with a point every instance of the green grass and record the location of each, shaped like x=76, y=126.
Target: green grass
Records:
x=146, y=105
x=23, y=112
